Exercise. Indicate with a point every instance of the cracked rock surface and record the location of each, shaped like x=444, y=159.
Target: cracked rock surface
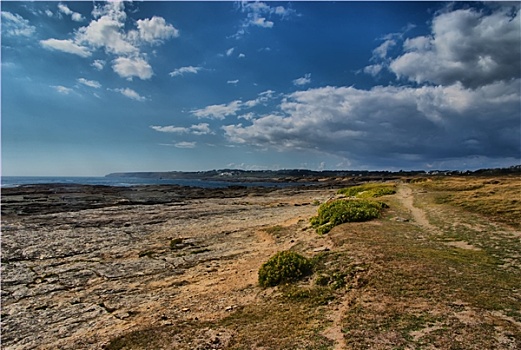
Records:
x=83, y=264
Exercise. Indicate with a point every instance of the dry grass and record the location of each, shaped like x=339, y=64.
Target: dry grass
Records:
x=498, y=198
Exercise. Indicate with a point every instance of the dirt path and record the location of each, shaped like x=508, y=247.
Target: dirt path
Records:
x=334, y=331
x=406, y=196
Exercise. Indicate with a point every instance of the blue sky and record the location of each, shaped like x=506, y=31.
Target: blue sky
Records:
x=90, y=88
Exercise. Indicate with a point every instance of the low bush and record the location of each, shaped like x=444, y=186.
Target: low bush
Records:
x=338, y=212
x=284, y=267
x=370, y=190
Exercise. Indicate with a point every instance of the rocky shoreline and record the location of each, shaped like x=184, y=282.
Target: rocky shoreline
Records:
x=83, y=264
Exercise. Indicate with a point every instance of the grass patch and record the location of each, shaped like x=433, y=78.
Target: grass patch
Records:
x=334, y=273
x=284, y=267
x=497, y=198
x=159, y=337
x=369, y=190
x=278, y=325
x=315, y=296
x=338, y=212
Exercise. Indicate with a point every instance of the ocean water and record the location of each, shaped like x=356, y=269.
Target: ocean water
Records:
x=15, y=181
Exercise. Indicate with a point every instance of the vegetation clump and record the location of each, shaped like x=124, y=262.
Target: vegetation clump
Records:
x=284, y=267
x=370, y=190
x=338, y=212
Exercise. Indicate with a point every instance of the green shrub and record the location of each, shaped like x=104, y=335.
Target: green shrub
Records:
x=370, y=190
x=284, y=267
x=338, y=212
x=316, y=296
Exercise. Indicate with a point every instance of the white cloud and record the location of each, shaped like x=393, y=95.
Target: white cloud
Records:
x=185, y=144
x=75, y=16
x=131, y=94
x=201, y=129
x=62, y=89
x=67, y=46
x=283, y=12
x=197, y=129
x=267, y=94
x=306, y=79
x=7, y=65
x=132, y=67
x=218, y=111
x=392, y=125
x=466, y=45
x=373, y=69
x=241, y=55
x=230, y=51
x=262, y=22
x=16, y=25
x=170, y=129
x=247, y=116
x=381, y=51
x=221, y=111
x=109, y=31
x=64, y=9
x=98, y=64
x=155, y=30
x=112, y=9
x=49, y=13
x=260, y=14
x=183, y=70
x=106, y=33
x=233, y=82
x=90, y=83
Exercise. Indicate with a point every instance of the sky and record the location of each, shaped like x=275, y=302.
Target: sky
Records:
x=90, y=88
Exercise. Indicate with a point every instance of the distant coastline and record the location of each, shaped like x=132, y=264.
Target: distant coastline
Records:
x=230, y=177
x=291, y=175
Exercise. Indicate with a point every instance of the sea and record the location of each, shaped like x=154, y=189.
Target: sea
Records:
x=15, y=181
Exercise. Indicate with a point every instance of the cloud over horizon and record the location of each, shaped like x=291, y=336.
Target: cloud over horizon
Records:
x=411, y=124
x=473, y=109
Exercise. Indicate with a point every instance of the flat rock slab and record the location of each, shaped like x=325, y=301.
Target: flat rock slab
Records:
x=82, y=264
